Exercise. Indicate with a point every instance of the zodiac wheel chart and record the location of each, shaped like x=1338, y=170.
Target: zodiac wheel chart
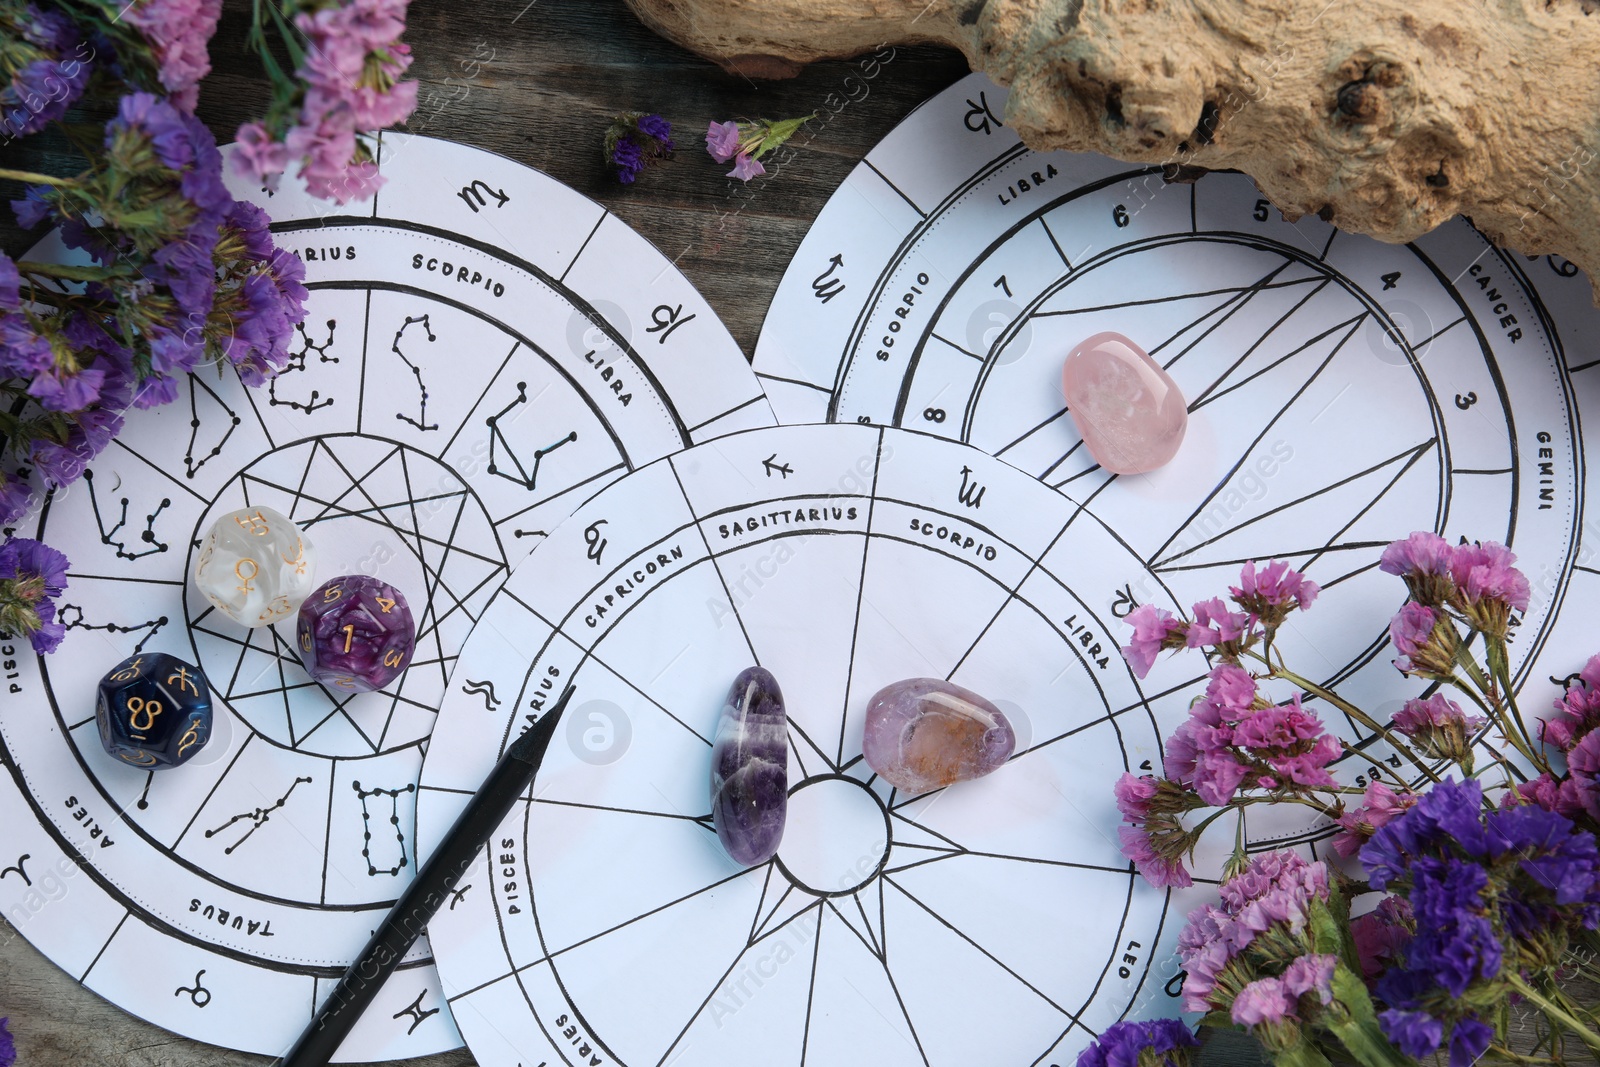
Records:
x=1342, y=392
x=607, y=925
x=484, y=348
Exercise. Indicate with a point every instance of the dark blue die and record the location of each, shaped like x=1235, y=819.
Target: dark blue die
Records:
x=154, y=711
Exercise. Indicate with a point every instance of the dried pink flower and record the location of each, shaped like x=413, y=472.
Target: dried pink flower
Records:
x=1153, y=630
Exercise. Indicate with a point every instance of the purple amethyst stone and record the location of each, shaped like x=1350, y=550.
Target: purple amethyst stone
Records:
x=923, y=734
x=356, y=634
x=750, y=768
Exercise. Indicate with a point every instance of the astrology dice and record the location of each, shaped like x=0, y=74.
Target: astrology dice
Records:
x=255, y=566
x=356, y=633
x=154, y=711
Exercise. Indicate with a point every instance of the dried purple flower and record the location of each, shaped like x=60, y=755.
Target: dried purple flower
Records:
x=635, y=142
x=722, y=140
x=47, y=65
x=32, y=575
x=1161, y=1043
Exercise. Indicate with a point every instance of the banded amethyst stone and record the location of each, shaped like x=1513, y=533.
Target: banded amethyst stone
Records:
x=750, y=768
x=925, y=733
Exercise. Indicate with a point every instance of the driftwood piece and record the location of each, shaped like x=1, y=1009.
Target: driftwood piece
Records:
x=1386, y=117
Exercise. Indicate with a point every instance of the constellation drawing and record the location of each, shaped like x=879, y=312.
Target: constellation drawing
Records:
x=72, y=617
x=297, y=364
x=394, y=796
x=421, y=421
x=527, y=477
x=197, y=386
x=258, y=817
x=108, y=536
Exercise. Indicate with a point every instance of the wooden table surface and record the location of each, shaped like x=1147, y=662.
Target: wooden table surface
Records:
x=538, y=82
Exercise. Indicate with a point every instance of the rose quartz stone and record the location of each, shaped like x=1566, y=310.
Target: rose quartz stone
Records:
x=926, y=733
x=1128, y=410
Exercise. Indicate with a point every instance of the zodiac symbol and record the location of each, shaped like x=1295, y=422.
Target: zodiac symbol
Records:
x=415, y=1011
x=181, y=676
x=979, y=110
x=665, y=317
x=138, y=706
x=458, y=895
x=825, y=286
x=484, y=689
x=392, y=658
x=472, y=195
x=199, y=995
x=596, y=543
x=1124, y=603
x=970, y=494
x=26, y=856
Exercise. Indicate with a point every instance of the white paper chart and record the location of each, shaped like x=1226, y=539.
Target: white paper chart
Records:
x=1342, y=392
x=992, y=922
x=484, y=348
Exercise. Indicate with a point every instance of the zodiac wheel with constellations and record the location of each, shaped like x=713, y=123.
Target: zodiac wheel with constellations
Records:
x=1342, y=392
x=471, y=368
x=610, y=926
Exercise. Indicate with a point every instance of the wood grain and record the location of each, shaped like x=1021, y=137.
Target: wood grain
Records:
x=551, y=74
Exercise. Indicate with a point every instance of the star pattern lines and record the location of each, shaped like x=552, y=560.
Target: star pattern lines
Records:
x=366, y=491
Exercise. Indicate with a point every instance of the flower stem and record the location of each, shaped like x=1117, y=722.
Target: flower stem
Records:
x=31, y=178
x=1355, y=713
x=1500, y=668
x=69, y=271
x=1506, y=1052
x=1498, y=716
x=1554, y=1010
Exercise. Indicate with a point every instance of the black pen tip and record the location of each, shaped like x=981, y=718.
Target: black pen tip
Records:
x=530, y=747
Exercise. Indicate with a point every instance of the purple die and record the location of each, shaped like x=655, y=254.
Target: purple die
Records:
x=356, y=633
